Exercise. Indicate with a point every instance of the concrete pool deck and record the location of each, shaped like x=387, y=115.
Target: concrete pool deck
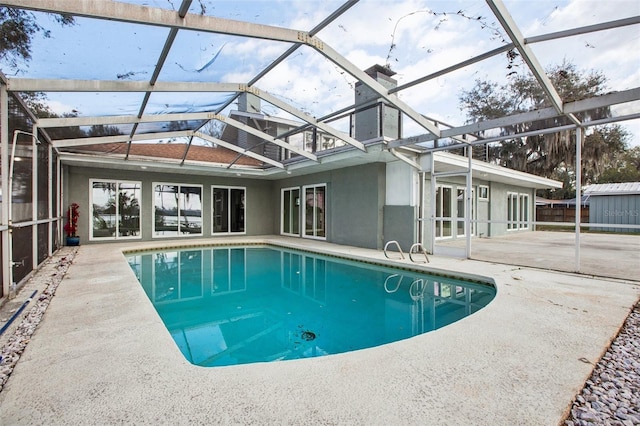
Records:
x=101, y=355
x=601, y=254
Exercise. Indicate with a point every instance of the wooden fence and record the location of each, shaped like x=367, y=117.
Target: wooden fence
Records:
x=561, y=214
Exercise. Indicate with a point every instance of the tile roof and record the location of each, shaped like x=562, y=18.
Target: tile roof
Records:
x=173, y=151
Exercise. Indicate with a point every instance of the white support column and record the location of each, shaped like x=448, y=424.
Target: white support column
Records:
x=421, y=224
x=51, y=227
x=432, y=221
x=34, y=197
x=468, y=204
x=59, y=199
x=7, y=270
x=579, y=138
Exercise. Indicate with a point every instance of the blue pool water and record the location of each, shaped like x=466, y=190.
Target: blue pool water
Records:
x=238, y=305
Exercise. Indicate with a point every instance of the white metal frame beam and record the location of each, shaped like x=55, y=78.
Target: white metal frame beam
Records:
x=264, y=136
x=239, y=150
x=182, y=12
x=165, y=18
x=362, y=76
x=306, y=117
x=142, y=137
x=337, y=13
x=122, y=119
x=181, y=20
x=509, y=25
x=65, y=143
x=126, y=12
x=529, y=116
x=70, y=85
x=529, y=40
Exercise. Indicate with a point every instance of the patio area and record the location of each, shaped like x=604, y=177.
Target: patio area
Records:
x=601, y=254
x=101, y=355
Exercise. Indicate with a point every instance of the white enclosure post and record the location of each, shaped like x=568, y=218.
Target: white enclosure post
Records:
x=468, y=204
x=35, y=163
x=579, y=136
x=7, y=271
x=432, y=219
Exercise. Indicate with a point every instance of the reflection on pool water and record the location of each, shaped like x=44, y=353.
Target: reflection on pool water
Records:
x=238, y=305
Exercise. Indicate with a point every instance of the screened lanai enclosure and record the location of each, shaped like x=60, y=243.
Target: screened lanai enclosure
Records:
x=196, y=118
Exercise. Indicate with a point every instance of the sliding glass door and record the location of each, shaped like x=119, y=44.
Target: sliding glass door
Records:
x=315, y=211
x=290, y=224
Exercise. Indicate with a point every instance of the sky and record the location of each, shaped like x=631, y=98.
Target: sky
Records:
x=414, y=37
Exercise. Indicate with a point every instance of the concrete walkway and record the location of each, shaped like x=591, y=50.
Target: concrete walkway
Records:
x=102, y=356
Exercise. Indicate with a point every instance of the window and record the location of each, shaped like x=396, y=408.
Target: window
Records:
x=512, y=211
x=483, y=193
x=462, y=211
x=178, y=210
x=315, y=211
x=227, y=210
x=443, y=212
x=290, y=208
x=115, y=209
x=524, y=211
x=517, y=211
x=311, y=142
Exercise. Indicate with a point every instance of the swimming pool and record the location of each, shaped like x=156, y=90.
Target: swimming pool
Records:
x=244, y=304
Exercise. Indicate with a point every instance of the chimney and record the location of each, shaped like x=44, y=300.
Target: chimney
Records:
x=248, y=102
x=379, y=120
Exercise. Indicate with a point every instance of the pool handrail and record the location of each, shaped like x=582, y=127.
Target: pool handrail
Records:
x=419, y=249
x=397, y=245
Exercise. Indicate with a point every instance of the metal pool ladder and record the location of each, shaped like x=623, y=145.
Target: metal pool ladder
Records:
x=394, y=242
x=415, y=249
x=418, y=248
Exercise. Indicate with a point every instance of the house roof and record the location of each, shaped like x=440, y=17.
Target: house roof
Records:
x=173, y=151
x=446, y=162
x=624, y=188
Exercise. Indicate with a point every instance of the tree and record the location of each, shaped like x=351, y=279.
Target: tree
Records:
x=17, y=29
x=550, y=155
x=98, y=130
x=624, y=168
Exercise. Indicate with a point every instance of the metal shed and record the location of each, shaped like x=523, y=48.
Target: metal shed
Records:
x=615, y=204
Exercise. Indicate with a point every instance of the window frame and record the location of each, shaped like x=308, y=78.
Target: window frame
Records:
x=117, y=183
x=517, y=217
x=304, y=228
x=228, y=208
x=523, y=211
x=290, y=190
x=512, y=211
x=481, y=189
x=179, y=234
x=440, y=220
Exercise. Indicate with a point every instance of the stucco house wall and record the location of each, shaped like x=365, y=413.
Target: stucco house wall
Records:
x=355, y=198
x=498, y=208
x=258, y=211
